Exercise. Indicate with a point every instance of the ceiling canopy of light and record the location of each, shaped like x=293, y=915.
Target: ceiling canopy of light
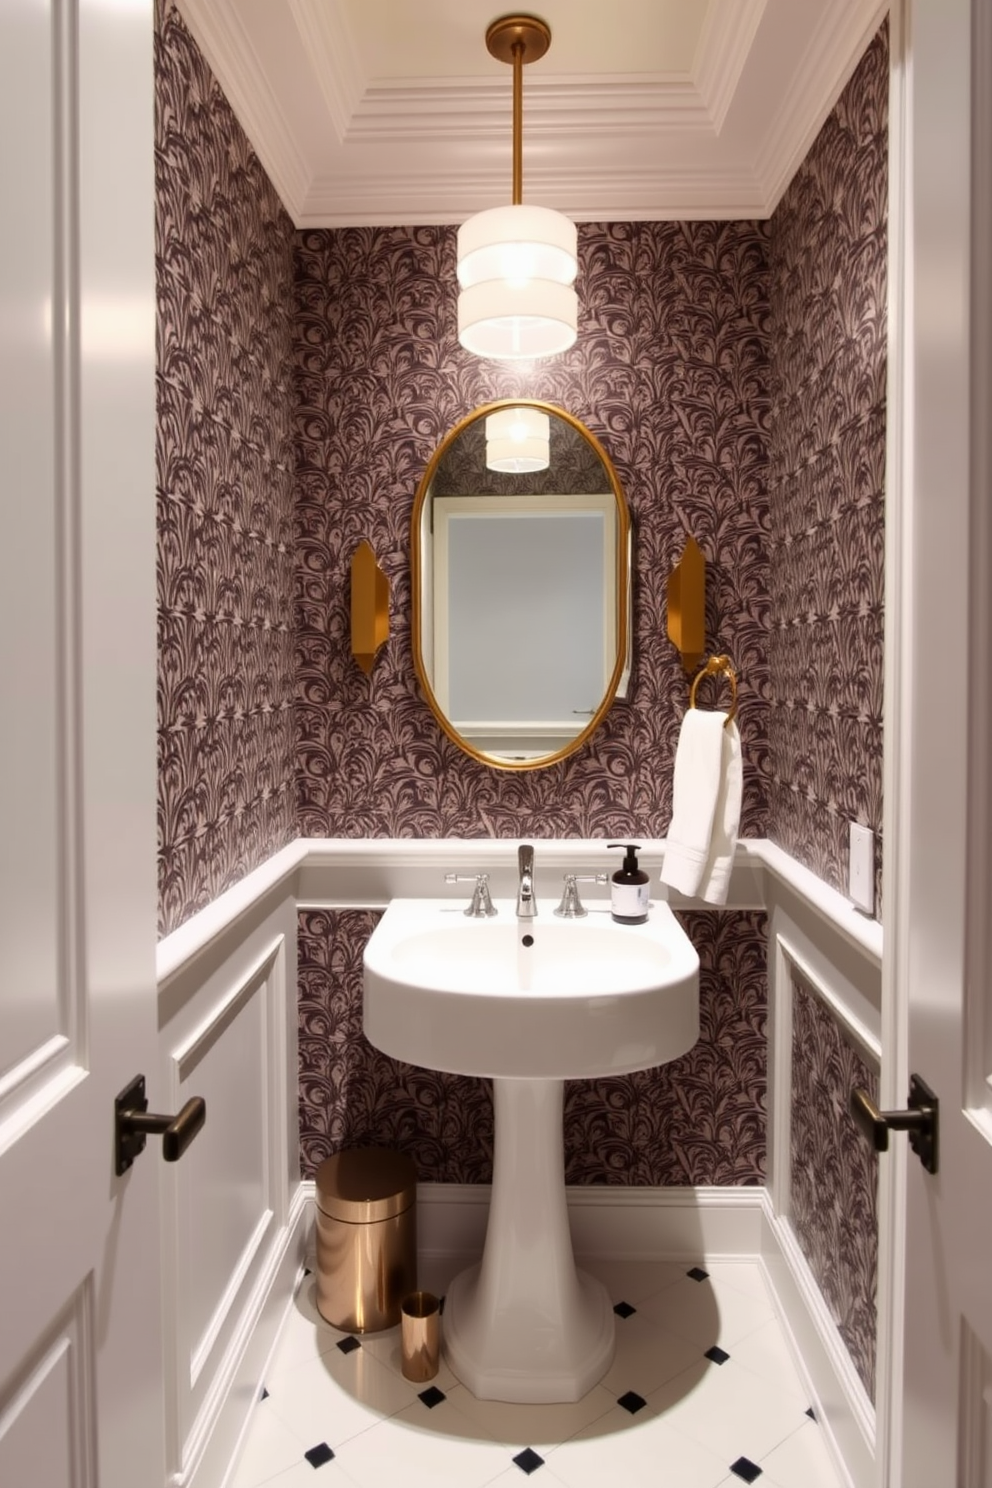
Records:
x=517, y=264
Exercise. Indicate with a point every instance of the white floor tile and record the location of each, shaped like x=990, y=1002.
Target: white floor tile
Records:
x=331, y=1475
x=423, y=1449
x=514, y=1478
x=336, y=1396
x=535, y=1426
x=304, y=1335
x=647, y=1355
x=744, y=1276
x=639, y=1451
x=698, y=1418
x=707, y=1312
x=766, y=1354
x=270, y=1449
x=729, y=1410
x=802, y=1460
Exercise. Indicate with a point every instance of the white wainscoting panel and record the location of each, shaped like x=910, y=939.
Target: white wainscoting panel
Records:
x=231, y=1216
x=224, y=1197
x=837, y=952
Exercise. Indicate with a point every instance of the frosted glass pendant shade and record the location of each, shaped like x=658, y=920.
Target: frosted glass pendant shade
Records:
x=516, y=267
x=518, y=440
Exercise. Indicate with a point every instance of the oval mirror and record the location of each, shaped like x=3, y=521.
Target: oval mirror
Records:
x=521, y=573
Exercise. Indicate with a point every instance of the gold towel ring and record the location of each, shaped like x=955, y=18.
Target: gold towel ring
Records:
x=714, y=665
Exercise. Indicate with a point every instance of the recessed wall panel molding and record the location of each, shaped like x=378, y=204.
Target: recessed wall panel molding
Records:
x=834, y=1171
x=46, y=1409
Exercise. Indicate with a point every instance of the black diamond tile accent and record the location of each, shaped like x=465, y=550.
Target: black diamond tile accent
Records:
x=307, y=1271
x=319, y=1454
x=624, y=1309
x=717, y=1354
x=432, y=1396
x=264, y=1395
x=811, y=1413
x=632, y=1401
x=528, y=1461
x=349, y=1344
x=746, y=1469
x=698, y=1274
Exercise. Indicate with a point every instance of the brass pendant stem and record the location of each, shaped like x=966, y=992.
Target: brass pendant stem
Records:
x=518, y=39
x=518, y=123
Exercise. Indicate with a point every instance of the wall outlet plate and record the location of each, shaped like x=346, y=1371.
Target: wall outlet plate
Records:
x=861, y=868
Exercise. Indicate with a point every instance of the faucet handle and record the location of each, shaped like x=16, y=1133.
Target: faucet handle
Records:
x=482, y=906
x=571, y=907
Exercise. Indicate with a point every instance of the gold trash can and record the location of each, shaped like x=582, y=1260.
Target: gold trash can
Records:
x=366, y=1238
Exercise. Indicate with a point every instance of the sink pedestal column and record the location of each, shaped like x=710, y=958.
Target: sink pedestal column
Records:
x=525, y=1325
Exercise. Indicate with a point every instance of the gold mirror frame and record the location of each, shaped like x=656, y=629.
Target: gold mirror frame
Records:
x=623, y=586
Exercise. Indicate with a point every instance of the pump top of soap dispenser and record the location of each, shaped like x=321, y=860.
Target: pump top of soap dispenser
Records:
x=630, y=863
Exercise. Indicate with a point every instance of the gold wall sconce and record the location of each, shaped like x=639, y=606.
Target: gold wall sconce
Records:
x=687, y=605
x=369, y=607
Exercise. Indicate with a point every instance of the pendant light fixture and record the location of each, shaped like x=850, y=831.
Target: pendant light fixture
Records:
x=518, y=440
x=517, y=264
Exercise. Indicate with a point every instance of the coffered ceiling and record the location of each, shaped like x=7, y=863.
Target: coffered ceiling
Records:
x=392, y=111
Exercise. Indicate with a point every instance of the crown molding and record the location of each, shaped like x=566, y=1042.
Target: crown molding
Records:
x=382, y=131
x=217, y=30
x=327, y=36
x=648, y=195
x=728, y=36
x=395, y=113
x=831, y=57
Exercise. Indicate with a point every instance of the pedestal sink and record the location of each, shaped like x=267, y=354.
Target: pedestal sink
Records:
x=529, y=1003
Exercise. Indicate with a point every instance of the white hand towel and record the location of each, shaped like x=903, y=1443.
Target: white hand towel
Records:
x=696, y=791
x=715, y=881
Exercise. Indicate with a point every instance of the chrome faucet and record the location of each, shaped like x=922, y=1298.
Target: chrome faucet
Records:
x=526, y=902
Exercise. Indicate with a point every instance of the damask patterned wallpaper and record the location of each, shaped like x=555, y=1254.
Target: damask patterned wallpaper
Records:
x=698, y=1120
x=670, y=371
x=834, y=1190
x=826, y=485
x=826, y=479
x=224, y=269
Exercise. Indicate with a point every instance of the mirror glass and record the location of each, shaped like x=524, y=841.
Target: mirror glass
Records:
x=521, y=579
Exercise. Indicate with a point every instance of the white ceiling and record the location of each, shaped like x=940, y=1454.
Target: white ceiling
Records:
x=392, y=112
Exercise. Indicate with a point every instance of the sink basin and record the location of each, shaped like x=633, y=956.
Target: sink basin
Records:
x=529, y=999
x=530, y=1003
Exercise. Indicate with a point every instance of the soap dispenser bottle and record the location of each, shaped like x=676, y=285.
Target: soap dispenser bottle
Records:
x=629, y=889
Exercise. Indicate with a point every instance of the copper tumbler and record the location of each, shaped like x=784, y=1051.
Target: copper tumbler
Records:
x=420, y=1336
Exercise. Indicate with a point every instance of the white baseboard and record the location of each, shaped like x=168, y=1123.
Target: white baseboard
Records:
x=228, y=1411
x=609, y=1222
x=843, y=1407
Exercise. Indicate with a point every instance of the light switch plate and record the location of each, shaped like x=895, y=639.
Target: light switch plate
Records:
x=861, y=868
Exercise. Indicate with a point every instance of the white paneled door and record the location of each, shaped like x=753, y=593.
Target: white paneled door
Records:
x=80, y=1336
x=937, y=1409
